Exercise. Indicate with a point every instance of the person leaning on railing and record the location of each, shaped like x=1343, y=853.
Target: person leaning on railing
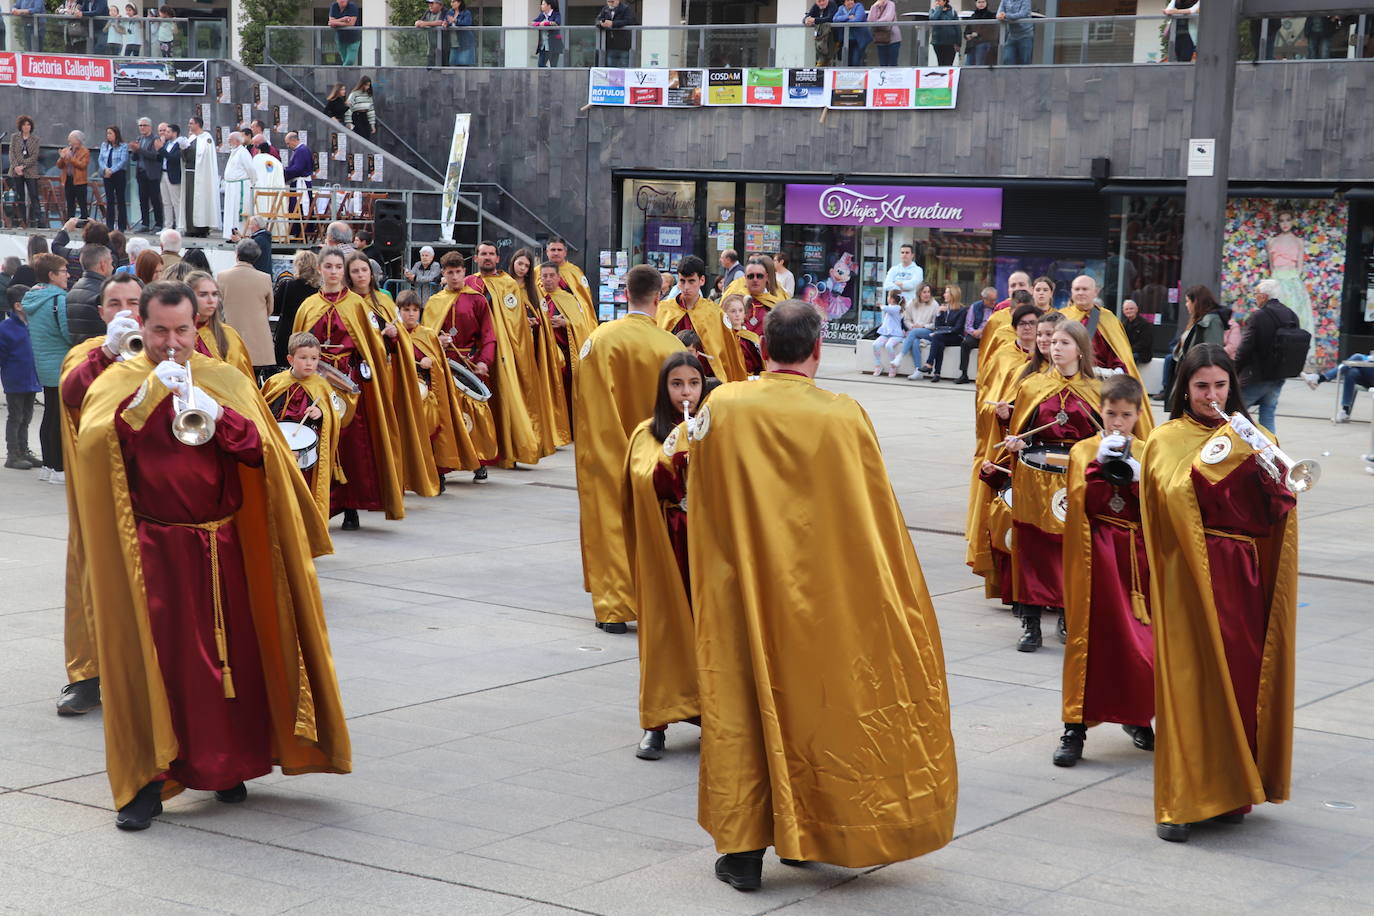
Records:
x=980, y=39
x=613, y=18
x=821, y=14
x=1015, y=14
x=550, y=38
x=343, y=14
x=32, y=31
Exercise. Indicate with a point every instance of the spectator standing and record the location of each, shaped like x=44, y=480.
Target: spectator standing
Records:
x=344, y=15
x=8, y=268
x=462, y=52
x=905, y=277
x=169, y=179
x=259, y=232
x=820, y=16
x=888, y=38
x=855, y=38
x=93, y=233
x=1206, y=324
x=113, y=162
x=148, y=267
x=246, y=297
x=74, y=162
x=165, y=32
x=433, y=19
x=74, y=32
x=1269, y=332
x=1139, y=332
x=1015, y=15
x=24, y=170
x=169, y=241
x=146, y=151
x=980, y=37
x=550, y=38
x=1178, y=36
x=32, y=28
x=890, y=335
x=137, y=245
x=612, y=19
x=291, y=290
x=948, y=329
x=133, y=31
x=362, y=110
x=944, y=38
x=974, y=323
x=19, y=378
x=786, y=281
x=425, y=274
x=299, y=170
x=83, y=299
x=45, y=306
x=114, y=30
x=731, y=267
x=336, y=105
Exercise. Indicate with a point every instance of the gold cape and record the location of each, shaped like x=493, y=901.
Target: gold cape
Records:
x=720, y=345
x=667, y=639
x=1203, y=763
x=278, y=530
x=555, y=428
x=997, y=333
x=376, y=394
x=578, y=330
x=410, y=433
x=740, y=286
x=572, y=275
x=78, y=627
x=327, y=470
x=1109, y=326
x=1078, y=576
x=238, y=353
x=453, y=446
x=825, y=711
x=996, y=381
x=476, y=415
x=523, y=416
x=613, y=391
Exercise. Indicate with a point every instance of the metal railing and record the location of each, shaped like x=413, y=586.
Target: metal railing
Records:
x=114, y=36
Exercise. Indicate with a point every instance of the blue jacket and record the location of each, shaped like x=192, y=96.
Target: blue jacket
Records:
x=860, y=37
x=48, y=332
x=114, y=158
x=945, y=34
x=1018, y=18
x=17, y=375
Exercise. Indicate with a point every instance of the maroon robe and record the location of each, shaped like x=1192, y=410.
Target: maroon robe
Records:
x=83, y=375
x=670, y=485
x=354, y=452
x=755, y=314
x=291, y=407
x=1103, y=354
x=560, y=336
x=221, y=741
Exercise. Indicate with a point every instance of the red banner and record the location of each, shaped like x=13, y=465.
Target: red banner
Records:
x=9, y=68
x=66, y=74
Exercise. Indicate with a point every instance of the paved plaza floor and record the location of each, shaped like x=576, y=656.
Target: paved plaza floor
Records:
x=494, y=729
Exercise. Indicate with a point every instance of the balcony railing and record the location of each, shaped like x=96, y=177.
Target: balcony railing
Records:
x=115, y=36
x=1064, y=41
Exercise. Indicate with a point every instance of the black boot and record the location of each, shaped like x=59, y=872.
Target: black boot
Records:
x=1142, y=736
x=741, y=870
x=613, y=626
x=79, y=698
x=651, y=745
x=1071, y=744
x=350, y=522
x=1030, y=636
x=139, y=813
x=1173, y=833
x=1063, y=629
x=479, y=474
x=232, y=796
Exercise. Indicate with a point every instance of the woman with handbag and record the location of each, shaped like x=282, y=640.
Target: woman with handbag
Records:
x=888, y=38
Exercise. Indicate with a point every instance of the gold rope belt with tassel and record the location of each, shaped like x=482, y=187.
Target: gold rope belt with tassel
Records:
x=1232, y=536
x=221, y=642
x=1138, y=607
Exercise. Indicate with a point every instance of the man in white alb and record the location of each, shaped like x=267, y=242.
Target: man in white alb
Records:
x=238, y=186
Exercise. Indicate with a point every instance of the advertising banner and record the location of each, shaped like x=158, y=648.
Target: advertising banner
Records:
x=897, y=88
x=806, y=89
x=764, y=86
x=66, y=74
x=453, y=175
x=9, y=68
x=607, y=86
x=686, y=89
x=142, y=76
x=725, y=86
x=646, y=87
x=848, y=88
x=887, y=205
x=891, y=88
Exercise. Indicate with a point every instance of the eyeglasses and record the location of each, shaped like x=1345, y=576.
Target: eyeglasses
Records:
x=756, y=276
x=1027, y=324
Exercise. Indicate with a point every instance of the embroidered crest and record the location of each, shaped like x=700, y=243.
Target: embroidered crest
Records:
x=337, y=403
x=1216, y=450
x=703, y=424
x=726, y=320
x=1059, y=503
x=139, y=395
x=467, y=421
x=583, y=281
x=586, y=349
x=509, y=301
x=670, y=443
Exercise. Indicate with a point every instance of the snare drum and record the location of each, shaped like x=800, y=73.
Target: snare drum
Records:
x=302, y=440
x=468, y=382
x=1052, y=457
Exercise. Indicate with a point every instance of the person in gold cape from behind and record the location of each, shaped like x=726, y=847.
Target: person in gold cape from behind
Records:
x=824, y=705
x=214, y=659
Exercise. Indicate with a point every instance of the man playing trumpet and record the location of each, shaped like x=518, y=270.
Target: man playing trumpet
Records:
x=214, y=659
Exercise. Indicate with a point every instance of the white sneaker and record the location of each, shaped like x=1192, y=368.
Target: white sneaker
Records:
x=915, y=376
x=1312, y=379
x=1342, y=416
x=58, y=477
x=44, y=472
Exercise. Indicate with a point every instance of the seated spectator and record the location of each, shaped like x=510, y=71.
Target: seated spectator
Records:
x=974, y=323
x=1352, y=378
x=1139, y=332
x=948, y=330
x=919, y=318
x=424, y=274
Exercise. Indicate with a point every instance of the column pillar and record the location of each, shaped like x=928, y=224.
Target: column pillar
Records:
x=375, y=50
x=792, y=44
x=660, y=48
x=520, y=43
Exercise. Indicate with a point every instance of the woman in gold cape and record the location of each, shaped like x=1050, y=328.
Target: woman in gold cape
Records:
x=215, y=338
x=544, y=376
x=524, y=409
x=1222, y=539
x=278, y=529
x=566, y=345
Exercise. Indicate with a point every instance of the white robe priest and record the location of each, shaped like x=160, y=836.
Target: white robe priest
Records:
x=200, y=181
x=238, y=186
x=268, y=175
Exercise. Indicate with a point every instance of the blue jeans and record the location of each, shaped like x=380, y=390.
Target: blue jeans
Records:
x=979, y=55
x=1354, y=377
x=1265, y=395
x=348, y=51
x=888, y=53
x=1018, y=50
x=911, y=345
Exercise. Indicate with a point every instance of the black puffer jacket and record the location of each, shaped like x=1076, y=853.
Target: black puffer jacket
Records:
x=83, y=307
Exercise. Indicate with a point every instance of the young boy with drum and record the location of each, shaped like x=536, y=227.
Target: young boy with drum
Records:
x=1109, y=656
x=311, y=411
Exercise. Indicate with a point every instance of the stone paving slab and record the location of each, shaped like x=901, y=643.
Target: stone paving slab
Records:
x=494, y=730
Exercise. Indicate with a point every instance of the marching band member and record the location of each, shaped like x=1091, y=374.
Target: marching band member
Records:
x=574, y=280
x=1111, y=346
x=214, y=659
x=656, y=543
x=748, y=342
x=1222, y=539
x=759, y=284
x=82, y=365
x=824, y=704
x=368, y=453
x=613, y=391
x=214, y=338
x=1109, y=658
x=301, y=395
x=691, y=311
x=544, y=381
x=571, y=327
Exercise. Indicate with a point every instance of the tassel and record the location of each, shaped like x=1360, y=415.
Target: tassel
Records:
x=1138, y=607
x=228, y=678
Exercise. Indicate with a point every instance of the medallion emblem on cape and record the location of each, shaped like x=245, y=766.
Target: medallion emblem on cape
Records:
x=1059, y=503
x=1216, y=450
x=586, y=349
x=509, y=301
x=703, y=424
x=670, y=443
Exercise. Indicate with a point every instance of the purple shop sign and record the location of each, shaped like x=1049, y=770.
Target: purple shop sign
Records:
x=888, y=205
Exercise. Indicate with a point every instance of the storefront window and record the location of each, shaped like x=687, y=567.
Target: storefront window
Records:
x=658, y=221
x=1145, y=245
x=720, y=220
x=762, y=217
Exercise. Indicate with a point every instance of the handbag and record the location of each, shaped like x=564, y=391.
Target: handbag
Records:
x=882, y=34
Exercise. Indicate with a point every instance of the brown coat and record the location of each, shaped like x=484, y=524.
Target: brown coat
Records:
x=17, y=157
x=169, y=258
x=77, y=166
x=247, y=296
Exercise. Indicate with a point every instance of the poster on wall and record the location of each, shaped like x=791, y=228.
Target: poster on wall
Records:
x=806, y=89
x=848, y=88
x=453, y=174
x=686, y=89
x=224, y=90
x=606, y=86
x=1299, y=243
x=260, y=101
x=893, y=88
x=764, y=86
x=646, y=87
x=937, y=87
x=281, y=118
x=375, y=167
x=245, y=114
x=338, y=146
x=321, y=164
x=356, y=167
x=202, y=111
x=725, y=86
x=9, y=68
x=160, y=77
x=66, y=74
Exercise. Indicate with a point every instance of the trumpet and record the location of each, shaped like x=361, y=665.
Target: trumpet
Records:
x=131, y=347
x=1298, y=476
x=190, y=424
x=1116, y=471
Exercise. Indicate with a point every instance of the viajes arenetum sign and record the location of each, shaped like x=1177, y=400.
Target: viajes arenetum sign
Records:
x=886, y=205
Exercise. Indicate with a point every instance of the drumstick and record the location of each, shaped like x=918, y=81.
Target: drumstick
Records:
x=1027, y=434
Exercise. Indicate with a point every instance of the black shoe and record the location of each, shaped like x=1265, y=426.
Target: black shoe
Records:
x=651, y=745
x=613, y=626
x=79, y=698
x=795, y=863
x=741, y=870
x=963, y=380
x=479, y=474
x=350, y=522
x=1142, y=736
x=1070, y=747
x=1030, y=636
x=443, y=485
x=1234, y=817
x=935, y=378
x=18, y=463
x=1063, y=629
x=139, y=813
x=232, y=796
x=1174, y=833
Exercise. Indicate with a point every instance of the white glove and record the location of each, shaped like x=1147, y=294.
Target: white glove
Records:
x=1104, y=372
x=691, y=427
x=203, y=401
x=120, y=327
x=1135, y=469
x=1112, y=447
x=172, y=374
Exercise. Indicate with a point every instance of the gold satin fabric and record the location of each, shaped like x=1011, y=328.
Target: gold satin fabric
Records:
x=546, y=372
x=580, y=327
x=740, y=286
x=476, y=415
x=78, y=625
x=717, y=338
x=454, y=447
x=572, y=275
x=996, y=381
x=613, y=391
x=1109, y=326
x=1203, y=763
x=327, y=470
x=410, y=431
x=523, y=405
x=279, y=530
x=237, y=355
x=667, y=636
x=825, y=710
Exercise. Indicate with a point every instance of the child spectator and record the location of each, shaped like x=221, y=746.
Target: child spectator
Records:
x=890, y=335
x=19, y=378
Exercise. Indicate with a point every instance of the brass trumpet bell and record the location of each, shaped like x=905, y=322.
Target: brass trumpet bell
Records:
x=131, y=347
x=190, y=424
